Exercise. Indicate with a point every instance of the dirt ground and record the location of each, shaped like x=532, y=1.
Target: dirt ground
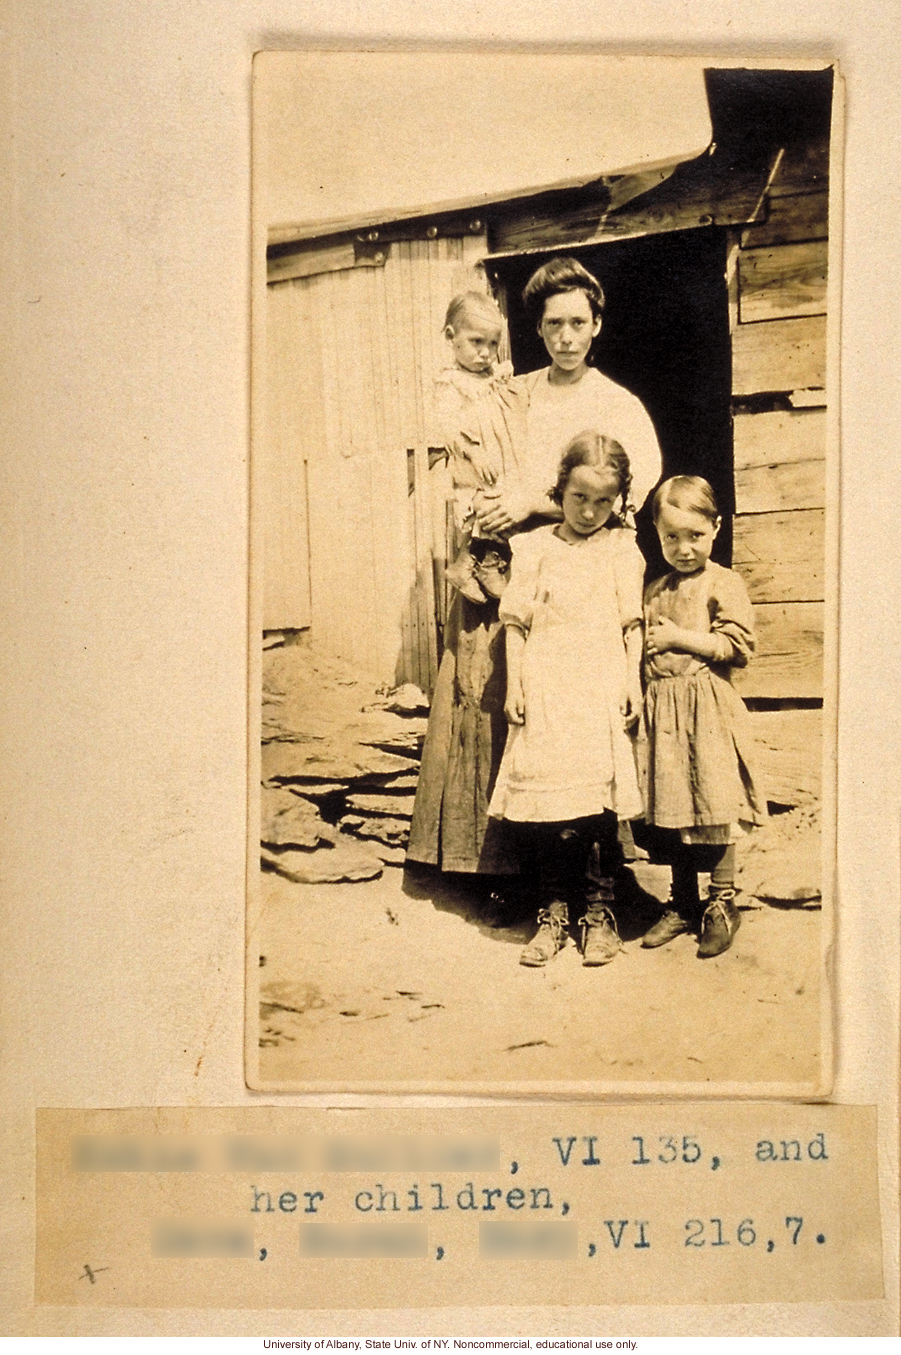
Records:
x=400, y=979
x=396, y=980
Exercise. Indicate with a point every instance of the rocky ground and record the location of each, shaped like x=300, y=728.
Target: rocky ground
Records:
x=373, y=974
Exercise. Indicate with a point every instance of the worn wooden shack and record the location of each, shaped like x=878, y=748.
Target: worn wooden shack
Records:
x=715, y=273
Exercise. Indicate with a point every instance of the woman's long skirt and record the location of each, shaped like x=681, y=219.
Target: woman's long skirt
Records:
x=463, y=749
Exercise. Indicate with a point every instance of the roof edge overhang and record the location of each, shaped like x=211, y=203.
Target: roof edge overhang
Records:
x=646, y=175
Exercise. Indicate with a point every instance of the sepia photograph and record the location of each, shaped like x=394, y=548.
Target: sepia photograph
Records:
x=543, y=533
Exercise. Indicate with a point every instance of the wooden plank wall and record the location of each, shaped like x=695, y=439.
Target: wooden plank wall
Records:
x=778, y=294
x=354, y=355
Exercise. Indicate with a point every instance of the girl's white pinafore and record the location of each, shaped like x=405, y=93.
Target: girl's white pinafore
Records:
x=572, y=758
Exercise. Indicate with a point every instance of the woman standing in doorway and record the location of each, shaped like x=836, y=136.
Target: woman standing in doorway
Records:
x=515, y=437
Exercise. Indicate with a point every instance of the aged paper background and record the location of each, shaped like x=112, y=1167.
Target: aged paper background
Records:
x=126, y=357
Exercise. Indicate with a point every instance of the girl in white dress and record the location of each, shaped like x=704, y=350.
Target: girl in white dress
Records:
x=572, y=613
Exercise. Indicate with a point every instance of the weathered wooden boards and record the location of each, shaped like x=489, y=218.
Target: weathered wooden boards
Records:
x=764, y=489
x=423, y=601
x=800, y=217
x=788, y=754
x=688, y=198
x=789, y=652
x=779, y=355
x=281, y=503
x=779, y=349
x=772, y=439
x=327, y=259
x=780, y=555
x=783, y=281
x=780, y=493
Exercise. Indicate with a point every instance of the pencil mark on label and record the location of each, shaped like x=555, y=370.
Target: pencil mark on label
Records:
x=90, y=1274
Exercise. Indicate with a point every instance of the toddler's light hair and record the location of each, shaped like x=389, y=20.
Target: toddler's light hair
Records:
x=473, y=305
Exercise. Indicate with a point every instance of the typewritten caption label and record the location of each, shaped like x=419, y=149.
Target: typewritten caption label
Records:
x=285, y=1207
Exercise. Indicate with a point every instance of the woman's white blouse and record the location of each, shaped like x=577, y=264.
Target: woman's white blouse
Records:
x=557, y=414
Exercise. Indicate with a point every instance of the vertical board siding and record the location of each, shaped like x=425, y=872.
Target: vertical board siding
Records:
x=354, y=354
x=282, y=484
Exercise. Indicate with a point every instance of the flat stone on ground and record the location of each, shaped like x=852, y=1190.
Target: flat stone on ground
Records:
x=327, y=865
x=390, y=806
x=782, y=863
x=290, y=820
x=402, y=785
x=408, y=700
x=327, y=762
x=394, y=832
x=388, y=854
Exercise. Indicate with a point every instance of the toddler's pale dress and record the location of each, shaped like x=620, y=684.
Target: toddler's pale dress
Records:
x=456, y=392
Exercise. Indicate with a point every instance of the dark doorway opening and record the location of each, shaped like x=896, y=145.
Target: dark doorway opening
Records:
x=665, y=337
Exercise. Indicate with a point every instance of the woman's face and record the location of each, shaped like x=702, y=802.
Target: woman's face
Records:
x=568, y=329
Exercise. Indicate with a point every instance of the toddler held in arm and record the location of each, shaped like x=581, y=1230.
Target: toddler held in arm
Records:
x=473, y=328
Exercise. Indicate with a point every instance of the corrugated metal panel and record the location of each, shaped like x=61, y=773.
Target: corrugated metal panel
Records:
x=355, y=353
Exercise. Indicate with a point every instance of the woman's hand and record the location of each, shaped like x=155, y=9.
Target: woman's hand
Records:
x=515, y=705
x=497, y=512
x=663, y=635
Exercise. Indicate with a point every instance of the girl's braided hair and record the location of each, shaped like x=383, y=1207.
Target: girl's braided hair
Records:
x=597, y=451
